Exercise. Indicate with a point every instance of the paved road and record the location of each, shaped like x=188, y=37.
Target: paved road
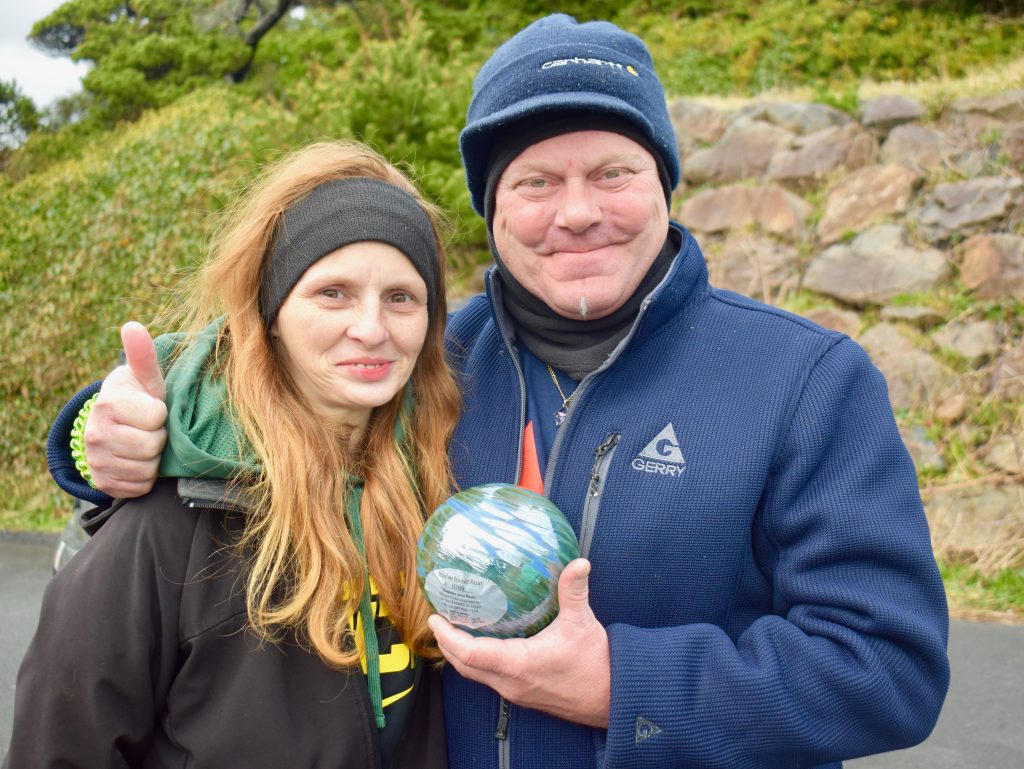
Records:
x=25, y=568
x=980, y=726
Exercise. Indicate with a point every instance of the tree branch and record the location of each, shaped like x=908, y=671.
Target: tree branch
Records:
x=264, y=19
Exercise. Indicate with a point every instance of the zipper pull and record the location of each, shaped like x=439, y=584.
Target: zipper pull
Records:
x=502, y=731
x=600, y=451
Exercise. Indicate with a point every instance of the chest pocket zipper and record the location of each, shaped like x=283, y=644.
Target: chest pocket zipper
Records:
x=598, y=475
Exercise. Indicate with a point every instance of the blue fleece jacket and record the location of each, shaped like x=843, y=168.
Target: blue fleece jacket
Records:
x=761, y=558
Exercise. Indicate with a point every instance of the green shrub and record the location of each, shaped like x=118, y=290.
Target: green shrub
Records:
x=99, y=239
x=746, y=48
x=408, y=101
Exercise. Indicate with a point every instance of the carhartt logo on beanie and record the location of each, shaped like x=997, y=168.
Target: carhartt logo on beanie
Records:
x=556, y=66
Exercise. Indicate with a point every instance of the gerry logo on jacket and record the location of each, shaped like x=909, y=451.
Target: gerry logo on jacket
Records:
x=662, y=455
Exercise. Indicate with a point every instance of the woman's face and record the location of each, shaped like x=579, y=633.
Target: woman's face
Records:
x=352, y=328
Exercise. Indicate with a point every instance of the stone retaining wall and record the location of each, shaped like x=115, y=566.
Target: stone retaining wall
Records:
x=907, y=234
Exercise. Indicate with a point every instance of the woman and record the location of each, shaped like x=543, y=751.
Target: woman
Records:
x=308, y=427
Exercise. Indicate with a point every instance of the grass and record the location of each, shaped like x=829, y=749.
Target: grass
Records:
x=936, y=94
x=974, y=595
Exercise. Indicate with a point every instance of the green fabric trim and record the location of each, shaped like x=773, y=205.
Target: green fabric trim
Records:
x=202, y=435
x=78, y=440
x=369, y=622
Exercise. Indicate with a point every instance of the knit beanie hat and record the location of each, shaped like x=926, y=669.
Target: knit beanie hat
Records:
x=557, y=66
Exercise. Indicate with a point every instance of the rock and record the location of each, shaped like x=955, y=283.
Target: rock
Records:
x=697, y=121
x=973, y=163
x=882, y=114
x=864, y=197
x=918, y=317
x=976, y=340
x=884, y=339
x=1004, y=452
x=1008, y=375
x=960, y=208
x=821, y=153
x=1008, y=106
x=976, y=521
x=844, y=321
x=772, y=209
x=744, y=151
x=923, y=451
x=755, y=266
x=953, y=409
x=993, y=266
x=921, y=148
x=1013, y=145
x=914, y=377
x=800, y=118
x=874, y=267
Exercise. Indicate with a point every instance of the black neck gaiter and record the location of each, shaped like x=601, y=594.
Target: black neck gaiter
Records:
x=577, y=347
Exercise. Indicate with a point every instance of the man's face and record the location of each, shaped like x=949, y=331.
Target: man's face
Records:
x=579, y=219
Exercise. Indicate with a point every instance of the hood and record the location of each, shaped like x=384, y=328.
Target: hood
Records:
x=203, y=439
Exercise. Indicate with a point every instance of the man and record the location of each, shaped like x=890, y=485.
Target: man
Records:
x=762, y=591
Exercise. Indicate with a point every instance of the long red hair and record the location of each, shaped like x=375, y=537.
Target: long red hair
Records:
x=305, y=572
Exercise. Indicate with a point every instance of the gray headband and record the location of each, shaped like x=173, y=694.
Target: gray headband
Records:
x=338, y=213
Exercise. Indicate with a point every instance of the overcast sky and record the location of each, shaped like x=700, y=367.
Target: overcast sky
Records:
x=42, y=77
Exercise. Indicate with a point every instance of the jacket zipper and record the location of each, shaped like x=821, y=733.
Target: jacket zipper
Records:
x=598, y=475
x=501, y=734
x=501, y=730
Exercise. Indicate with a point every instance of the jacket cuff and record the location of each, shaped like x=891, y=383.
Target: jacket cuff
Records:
x=58, y=451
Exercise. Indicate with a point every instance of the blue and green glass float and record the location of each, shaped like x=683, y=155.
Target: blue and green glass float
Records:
x=489, y=559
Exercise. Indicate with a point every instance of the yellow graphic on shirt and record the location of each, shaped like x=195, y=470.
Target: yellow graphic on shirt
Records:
x=397, y=658
x=394, y=698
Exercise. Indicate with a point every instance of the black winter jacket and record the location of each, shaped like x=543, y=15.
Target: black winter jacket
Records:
x=143, y=658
